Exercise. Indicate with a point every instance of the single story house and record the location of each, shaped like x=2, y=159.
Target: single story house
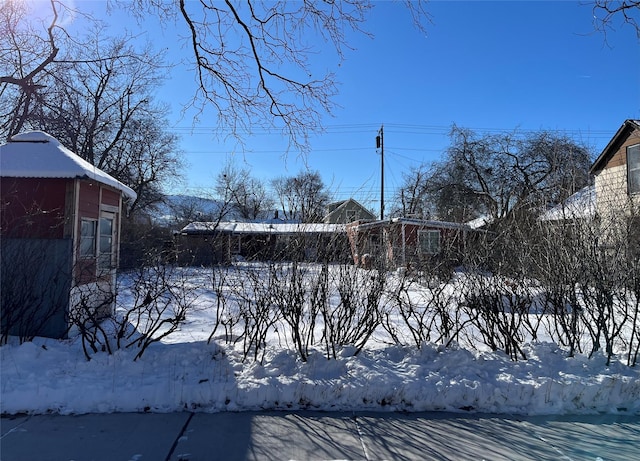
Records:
x=406, y=242
x=59, y=229
x=224, y=242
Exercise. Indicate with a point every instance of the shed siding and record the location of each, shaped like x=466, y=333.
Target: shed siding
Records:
x=110, y=197
x=89, y=200
x=33, y=207
x=36, y=282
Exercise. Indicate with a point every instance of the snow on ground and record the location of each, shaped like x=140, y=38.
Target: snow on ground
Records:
x=186, y=373
x=53, y=376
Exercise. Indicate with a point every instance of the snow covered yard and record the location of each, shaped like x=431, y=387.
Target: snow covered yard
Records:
x=384, y=369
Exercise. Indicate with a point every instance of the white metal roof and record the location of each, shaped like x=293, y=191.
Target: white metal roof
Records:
x=36, y=154
x=262, y=228
x=412, y=221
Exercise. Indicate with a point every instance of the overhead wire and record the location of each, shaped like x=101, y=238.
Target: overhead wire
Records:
x=368, y=193
x=367, y=128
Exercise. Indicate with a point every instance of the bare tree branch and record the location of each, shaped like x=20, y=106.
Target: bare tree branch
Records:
x=606, y=11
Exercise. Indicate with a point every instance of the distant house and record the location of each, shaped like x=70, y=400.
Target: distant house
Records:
x=617, y=172
x=59, y=228
x=404, y=242
x=347, y=211
x=617, y=182
x=224, y=242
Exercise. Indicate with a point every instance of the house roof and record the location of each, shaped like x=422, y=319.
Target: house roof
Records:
x=334, y=205
x=412, y=221
x=36, y=154
x=337, y=207
x=480, y=222
x=621, y=135
x=245, y=228
x=582, y=204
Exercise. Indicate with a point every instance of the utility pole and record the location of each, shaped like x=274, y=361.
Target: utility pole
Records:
x=380, y=145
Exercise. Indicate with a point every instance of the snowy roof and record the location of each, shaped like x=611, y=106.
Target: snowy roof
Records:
x=412, y=221
x=582, y=204
x=36, y=154
x=196, y=228
x=480, y=222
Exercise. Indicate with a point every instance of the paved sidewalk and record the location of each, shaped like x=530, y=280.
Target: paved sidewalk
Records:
x=317, y=436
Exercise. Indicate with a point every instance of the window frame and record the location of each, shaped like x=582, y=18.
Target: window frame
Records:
x=82, y=248
x=106, y=259
x=427, y=243
x=633, y=169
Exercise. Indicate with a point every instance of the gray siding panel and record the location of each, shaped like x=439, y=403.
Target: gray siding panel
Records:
x=36, y=276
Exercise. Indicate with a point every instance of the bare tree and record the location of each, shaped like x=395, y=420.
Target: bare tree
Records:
x=303, y=197
x=412, y=197
x=102, y=110
x=247, y=196
x=254, y=63
x=92, y=93
x=24, y=61
x=147, y=159
x=499, y=174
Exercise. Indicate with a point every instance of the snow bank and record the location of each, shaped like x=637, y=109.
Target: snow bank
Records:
x=53, y=376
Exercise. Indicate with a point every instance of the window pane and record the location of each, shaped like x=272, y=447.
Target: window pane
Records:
x=88, y=238
x=633, y=168
x=106, y=226
x=430, y=241
x=106, y=242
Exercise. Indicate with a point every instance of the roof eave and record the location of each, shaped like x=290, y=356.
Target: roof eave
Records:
x=611, y=148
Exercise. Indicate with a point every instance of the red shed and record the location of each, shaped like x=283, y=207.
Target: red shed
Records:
x=59, y=229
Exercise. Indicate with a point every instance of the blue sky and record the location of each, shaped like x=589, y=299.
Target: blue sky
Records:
x=486, y=66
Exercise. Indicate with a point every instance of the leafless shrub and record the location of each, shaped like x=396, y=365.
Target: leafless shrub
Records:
x=559, y=270
x=496, y=309
x=91, y=305
x=255, y=308
x=424, y=305
x=224, y=315
x=161, y=298
x=293, y=286
x=356, y=314
x=610, y=306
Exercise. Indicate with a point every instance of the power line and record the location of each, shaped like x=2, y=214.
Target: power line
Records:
x=398, y=127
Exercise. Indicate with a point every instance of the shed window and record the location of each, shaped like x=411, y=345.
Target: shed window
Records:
x=88, y=238
x=105, y=260
x=633, y=168
x=429, y=241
